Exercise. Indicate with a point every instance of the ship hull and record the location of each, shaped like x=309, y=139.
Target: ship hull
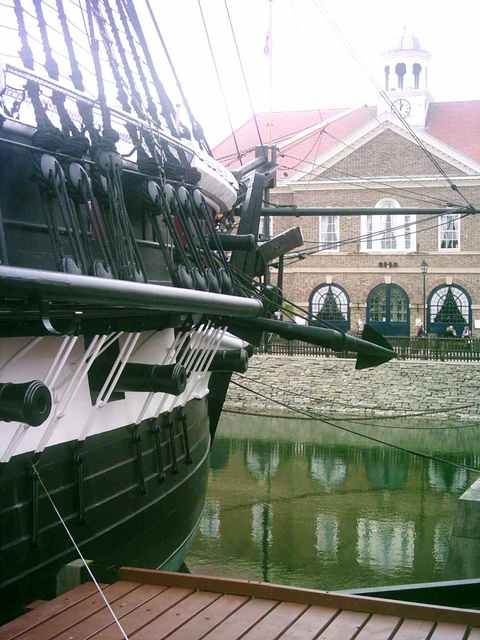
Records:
x=122, y=502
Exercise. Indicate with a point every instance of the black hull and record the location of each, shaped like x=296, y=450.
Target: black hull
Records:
x=132, y=514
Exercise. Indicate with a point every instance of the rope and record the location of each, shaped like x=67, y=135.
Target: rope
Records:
x=244, y=75
x=282, y=416
x=430, y=199
x=196, y=128
x=219, y=80
x=77, y=549
x=418, y=454
x=350, y=406
x=394, y=109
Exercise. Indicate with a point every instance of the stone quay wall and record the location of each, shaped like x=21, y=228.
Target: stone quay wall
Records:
x=333, y=386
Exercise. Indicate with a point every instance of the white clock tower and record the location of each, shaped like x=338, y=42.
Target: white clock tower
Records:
x=404, y=79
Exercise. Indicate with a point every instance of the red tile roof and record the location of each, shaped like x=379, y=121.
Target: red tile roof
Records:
x=457, y=124
x=454, y=123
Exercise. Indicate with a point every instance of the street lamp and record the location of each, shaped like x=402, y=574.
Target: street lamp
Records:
x=424, y=269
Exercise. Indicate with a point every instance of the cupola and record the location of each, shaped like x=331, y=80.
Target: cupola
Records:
x=405, y=79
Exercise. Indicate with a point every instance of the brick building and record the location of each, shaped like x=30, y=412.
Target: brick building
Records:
x=369, y=268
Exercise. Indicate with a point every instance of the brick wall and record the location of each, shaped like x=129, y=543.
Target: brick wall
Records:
x=359, y=272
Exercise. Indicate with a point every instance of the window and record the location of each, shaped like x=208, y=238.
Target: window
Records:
x=387, y=78
x=329, y=303
x=388, y=233
x=400, y=70
x=417, y=68
x=329, y=233
x=449, y=231
x=448, y=305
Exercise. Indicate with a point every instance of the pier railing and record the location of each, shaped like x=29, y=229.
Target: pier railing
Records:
x=406, y=348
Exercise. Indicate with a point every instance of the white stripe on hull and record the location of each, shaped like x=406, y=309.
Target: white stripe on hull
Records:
x=62, y=363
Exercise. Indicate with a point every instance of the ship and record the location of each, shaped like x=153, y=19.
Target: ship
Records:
x=127, y=300
x=116, y=297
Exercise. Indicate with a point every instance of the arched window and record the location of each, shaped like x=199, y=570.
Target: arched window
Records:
x=330, y=303
x=387, y=77
x=388, y=233
x=449, y=305
x=388, y=310
x=417, y=68
x=400, y=70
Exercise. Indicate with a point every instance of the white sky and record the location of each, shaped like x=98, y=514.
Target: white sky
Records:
x=312, y=68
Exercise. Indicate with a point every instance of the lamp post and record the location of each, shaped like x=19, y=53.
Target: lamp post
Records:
x=424, y=269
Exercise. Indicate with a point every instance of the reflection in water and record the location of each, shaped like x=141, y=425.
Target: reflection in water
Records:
x=329, y=470
x=386, y=468
x=446, y=479
x=299, y=503
x=385, y=545
x=263, y=459
x=210, y=520
x=326, y=534
x=441, y=540
x=262, y=517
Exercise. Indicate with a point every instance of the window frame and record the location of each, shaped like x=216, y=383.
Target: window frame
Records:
x=442, y=228
x=378, y=227
x=342, y=324
x=323, y=246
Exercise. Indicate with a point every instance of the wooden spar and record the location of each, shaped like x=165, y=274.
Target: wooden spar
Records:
x=360, y=211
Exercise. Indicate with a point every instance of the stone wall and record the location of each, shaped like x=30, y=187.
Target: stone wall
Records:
x=334, y=386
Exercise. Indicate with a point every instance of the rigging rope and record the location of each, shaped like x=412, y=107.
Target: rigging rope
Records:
x=429, y=198
x=219, y=80
x=283, y=416
x=412, y=452
x=383, y=94
x=356, y=418
x=77, y=549
x=244, y=75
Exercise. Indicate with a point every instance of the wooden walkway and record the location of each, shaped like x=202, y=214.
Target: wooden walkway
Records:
x=152, y=605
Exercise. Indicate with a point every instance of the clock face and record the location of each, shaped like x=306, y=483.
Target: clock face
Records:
x=402, y=106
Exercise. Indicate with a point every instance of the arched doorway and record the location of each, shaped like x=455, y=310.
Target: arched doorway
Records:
x=388, y=310
x=330, y=303
x=449, y=305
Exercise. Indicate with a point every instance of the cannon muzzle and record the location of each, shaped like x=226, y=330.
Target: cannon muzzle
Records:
x=27, y=402
x=228, y=360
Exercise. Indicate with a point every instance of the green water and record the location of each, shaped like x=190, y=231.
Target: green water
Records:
x=298, y=502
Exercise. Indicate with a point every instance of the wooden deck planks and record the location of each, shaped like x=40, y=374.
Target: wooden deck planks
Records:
x=242, y=620
x=141, y=616
x=185, y=609
x=276, y=621
x=379, y=627
x=414, y=630
x=310, y=623
x=449, y=631
x=80, y=611
x=209, y=618
x=103, y=618
x=345, y=626
x=44, y=611
x=344, y=601
x=176, y=616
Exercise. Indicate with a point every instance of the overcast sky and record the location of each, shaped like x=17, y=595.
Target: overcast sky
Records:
x=312, y=66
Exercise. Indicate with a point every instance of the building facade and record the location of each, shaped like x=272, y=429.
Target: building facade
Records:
x=395, y=272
